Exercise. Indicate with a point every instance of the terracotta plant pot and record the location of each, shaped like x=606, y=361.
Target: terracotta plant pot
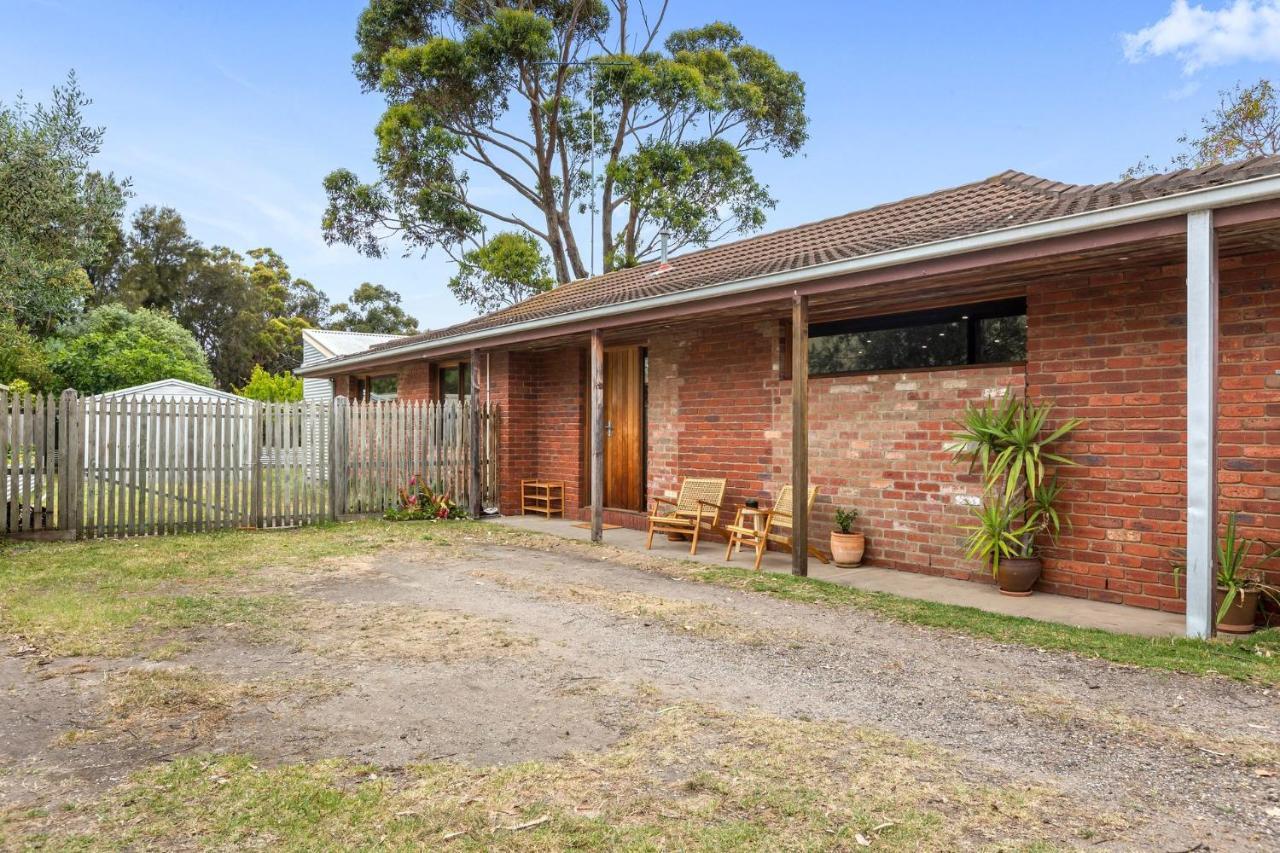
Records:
x=1017, y=575
x=1240, y=616
x=847, y=548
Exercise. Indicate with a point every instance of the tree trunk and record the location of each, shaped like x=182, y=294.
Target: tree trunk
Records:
x=633, y=221
x=607, y=246
x=557, y=250
x=571, y=249
x=555, y=241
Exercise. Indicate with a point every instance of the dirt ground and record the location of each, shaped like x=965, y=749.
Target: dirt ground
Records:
x=483, y=655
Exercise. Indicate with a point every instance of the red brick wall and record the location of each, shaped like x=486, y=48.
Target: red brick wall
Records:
x=540, y=399
x=722, y=384
x=878, y=442
x=560, y=412
x=342, y=386
x=413, y=382
x=666, y=355
x=1112, y=349
x=513, y=388
x=1249, y=443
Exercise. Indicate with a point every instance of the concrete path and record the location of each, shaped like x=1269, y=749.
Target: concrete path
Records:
x=1048, y=608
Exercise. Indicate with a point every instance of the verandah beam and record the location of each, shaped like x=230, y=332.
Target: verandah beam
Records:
x=597, y=436
x=1202, y=421
x=800, y=433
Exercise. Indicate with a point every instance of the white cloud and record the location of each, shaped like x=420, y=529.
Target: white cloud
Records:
x=1199, y=37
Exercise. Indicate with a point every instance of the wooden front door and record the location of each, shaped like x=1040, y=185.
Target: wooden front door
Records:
x=624, y=428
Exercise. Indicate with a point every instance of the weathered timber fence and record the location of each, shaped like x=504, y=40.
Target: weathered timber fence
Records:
x=386, y=444
x=126, y=466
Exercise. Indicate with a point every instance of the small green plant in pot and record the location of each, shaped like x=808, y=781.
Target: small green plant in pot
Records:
x=847, y=547
x=1008, y=444
x=1240, y=588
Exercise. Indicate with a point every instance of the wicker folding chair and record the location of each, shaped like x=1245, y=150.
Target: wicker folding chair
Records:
x=757, y=527
x=695, y=509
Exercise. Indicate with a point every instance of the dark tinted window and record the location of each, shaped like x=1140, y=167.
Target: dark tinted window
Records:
x=455, y=380
x=975, y=334
x=1002, y=339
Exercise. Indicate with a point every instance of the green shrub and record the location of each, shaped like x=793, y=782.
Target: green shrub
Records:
x=112, y=347
x=268, y=387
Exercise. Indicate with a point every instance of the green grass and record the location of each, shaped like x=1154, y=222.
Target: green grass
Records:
x=1255, y=658
x=122, y=597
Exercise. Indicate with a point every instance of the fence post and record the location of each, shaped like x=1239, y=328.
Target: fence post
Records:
x=255, y=461
x=70, y=461
x=338, y=458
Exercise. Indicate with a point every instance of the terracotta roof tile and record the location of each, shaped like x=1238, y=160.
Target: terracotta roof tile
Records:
x=1007, y=199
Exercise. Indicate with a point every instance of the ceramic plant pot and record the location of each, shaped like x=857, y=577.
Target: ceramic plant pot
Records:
x=1240, y=616
x=847, y=548
x=1017, y=575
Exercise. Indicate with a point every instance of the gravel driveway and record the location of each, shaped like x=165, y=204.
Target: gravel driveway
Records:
x=1178, y=761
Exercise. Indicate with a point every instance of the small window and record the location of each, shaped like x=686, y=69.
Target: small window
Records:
x=949, y=337
x=455, y=381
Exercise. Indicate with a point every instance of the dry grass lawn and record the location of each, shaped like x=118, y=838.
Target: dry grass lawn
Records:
x=691, y=778
x=377, y=686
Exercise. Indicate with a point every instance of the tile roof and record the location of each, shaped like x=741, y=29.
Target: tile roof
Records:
x=1008, y=199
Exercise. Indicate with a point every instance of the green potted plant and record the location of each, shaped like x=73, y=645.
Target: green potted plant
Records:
x=1239, y=588
x=1009, y=444
x=847, y=547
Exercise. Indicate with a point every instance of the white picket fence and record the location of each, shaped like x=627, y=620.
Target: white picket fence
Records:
x=93, y=467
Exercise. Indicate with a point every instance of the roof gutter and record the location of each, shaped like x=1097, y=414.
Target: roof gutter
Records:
x=1229, y=195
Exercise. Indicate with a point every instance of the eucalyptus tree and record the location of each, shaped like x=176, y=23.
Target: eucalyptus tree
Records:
x=374, y=309
x=1246, y=123
x=576, y=111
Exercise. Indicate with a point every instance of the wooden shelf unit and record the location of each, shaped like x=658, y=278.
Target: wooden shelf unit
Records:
x=542, y=496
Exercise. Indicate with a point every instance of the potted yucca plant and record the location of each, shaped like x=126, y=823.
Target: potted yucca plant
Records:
x=1009, y=444
x=847, y=547
x=1240, y=588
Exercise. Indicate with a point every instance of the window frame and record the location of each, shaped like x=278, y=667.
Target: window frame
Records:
x=464, y=378
x=972, y=314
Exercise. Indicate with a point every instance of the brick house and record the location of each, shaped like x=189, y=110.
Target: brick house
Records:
x=1089, y=296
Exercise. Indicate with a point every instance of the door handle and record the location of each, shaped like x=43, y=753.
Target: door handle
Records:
x=608, y=429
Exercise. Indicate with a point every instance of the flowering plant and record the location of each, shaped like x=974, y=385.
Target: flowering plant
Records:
x=419, y=502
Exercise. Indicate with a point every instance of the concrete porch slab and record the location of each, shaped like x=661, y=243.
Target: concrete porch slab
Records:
x=1062, y=609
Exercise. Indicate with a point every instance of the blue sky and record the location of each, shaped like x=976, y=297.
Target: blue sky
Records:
x=233, y=112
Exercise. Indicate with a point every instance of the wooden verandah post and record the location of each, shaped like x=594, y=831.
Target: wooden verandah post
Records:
x=800, y=432
x=597, y=436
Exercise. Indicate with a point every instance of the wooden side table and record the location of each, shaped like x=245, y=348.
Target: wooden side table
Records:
x=542, y=496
